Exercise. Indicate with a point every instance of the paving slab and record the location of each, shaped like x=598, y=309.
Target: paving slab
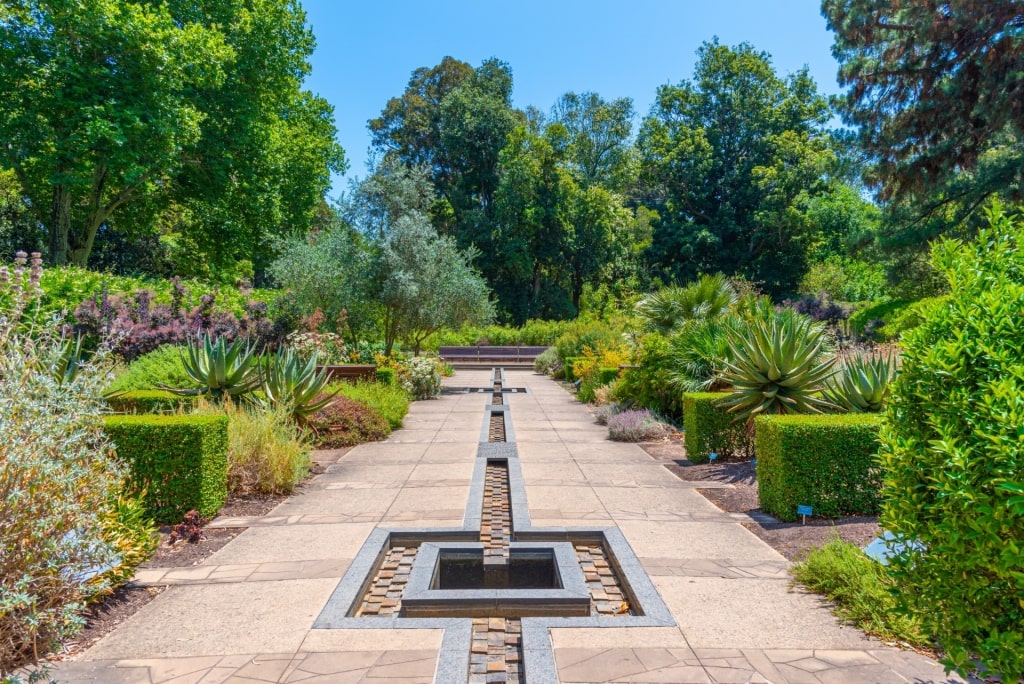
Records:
x=294, y=543
x=658, y=539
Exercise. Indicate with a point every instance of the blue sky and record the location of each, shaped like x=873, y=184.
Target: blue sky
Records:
x=366, y=51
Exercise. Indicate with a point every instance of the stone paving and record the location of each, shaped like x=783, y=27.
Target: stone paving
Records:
x=246, y=613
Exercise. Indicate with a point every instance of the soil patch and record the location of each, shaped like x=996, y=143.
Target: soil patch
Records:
x=792, y=540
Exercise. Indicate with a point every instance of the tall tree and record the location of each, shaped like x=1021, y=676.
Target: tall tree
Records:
x=96, y=107
x=935, y=89
x=729, y=162
x=598, y=132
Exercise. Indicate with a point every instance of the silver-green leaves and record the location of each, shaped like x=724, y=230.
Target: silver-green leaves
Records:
x=220, y=369
x=861, y=384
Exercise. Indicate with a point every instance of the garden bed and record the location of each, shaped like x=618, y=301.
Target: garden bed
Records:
x=792, y=540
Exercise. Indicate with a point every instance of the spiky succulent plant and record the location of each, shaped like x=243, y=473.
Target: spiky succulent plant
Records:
x=290, y=381
x=220, y=369
x=861, y=384
x=777, y=365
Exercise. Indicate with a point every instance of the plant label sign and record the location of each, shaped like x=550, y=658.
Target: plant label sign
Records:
x=804, y=511
x=712, y=456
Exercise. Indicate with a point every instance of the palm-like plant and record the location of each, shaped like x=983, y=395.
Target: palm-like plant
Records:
x=777, y=365
x=290, y=381
x=861, y=385
x=698, y=351
x=668, y=308
x=220, y=369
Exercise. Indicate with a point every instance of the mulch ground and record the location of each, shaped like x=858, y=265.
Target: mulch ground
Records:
x=792, y=540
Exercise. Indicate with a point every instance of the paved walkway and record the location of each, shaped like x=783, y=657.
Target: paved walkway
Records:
x=246, y=613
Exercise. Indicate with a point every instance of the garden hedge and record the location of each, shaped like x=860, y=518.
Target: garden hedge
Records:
x=180, y=460
x=386, y=376
x=827, y=462
x=148, y=401
x=709, y=429
x=570, y=374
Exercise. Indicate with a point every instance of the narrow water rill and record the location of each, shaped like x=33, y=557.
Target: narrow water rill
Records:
x=496, y=583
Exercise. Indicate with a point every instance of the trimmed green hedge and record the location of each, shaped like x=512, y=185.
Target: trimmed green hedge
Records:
x=386, y=376
x=181, y=461
x=709, y=429
x=606, y=375
x=148, y=401
x=824, y=461
x=570, y=375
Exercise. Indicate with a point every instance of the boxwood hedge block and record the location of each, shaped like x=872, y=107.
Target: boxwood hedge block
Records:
x=180, y=460
x=386, y=376
x=708, y=429
x=827, y=462
x=607, y=375
x=148, y=401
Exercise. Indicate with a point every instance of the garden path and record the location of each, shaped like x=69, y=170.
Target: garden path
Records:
x=247, y=613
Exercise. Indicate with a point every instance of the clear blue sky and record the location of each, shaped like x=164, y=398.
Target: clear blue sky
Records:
x=366, y=51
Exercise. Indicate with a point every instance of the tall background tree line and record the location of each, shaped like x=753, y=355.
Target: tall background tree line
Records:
x=176, y=137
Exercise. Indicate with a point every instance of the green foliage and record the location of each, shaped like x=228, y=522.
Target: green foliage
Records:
x=648, y=384
x=128, y=528
x=777, y=365
x=386, y=376
x=547, y=362
x=828, y=462
x=59, y=477
x=162, y=367
x=860, y=591
x=865, y=322
x=421, y=377
x=953, y=456
x=581, y=335
x=180, y=461
x=293, y=385
x=148, y=401
x=697, y=352
x=709, y=429
x=387, y=399
x=667, y=309
x=735, y=158
x=861, y=384
x=267, y=452
x=921, y=78
x=220, y=369
x=844, y=279
x=346, y=422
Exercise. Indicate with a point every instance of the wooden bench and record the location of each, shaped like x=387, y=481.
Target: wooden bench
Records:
x=490, y=354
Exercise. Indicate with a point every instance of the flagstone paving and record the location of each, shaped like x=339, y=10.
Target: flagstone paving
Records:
x=246, y=614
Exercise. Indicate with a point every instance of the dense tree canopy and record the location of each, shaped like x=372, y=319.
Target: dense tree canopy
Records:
x=730, y=162
x=120, y=114
x=934, y=86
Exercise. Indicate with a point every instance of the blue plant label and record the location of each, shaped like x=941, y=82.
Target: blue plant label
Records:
x=712, y=456
x=804, y=510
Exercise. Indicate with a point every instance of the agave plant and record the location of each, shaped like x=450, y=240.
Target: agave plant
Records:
x=290, y=381
x=777, y=365
x=66, y=361
x=220, y=369
x=861, y=385
x=668, y=308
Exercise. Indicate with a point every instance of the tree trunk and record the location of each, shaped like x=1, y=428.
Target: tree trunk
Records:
x=60, y=226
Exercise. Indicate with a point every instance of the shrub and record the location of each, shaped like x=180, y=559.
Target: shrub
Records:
x=386, y=376
x=161, y=367
x=126, y=526
x=603, y=412
x=708, y=428
x=59, y=479
x=148, y=401
x=871, y=321
x=636, y=426
x=267, y=452
x=422, y=377
x=844, y=279
x=180, y=461
x=665, y=310
x=580, y=335
x=547, y=362
x=293, y=383
x=598, y=366
x=390, y=401
x=860, y=590
x=697, y=352
x=347, y=422
x=954, y=459
x=825, y=461
x=328, y=348
x=570, y=363
x=649, y=385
